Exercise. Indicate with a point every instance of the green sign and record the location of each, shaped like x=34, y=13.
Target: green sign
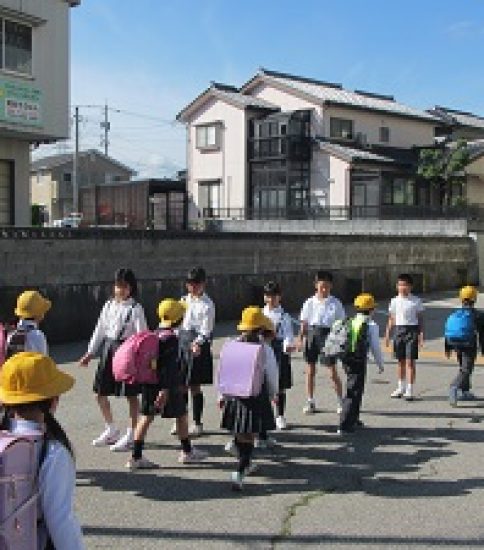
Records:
x=20, y=104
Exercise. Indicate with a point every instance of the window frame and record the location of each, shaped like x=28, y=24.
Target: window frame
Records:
x=382, y=130
x=3, y=68
x=338, y=120
x=208, y=147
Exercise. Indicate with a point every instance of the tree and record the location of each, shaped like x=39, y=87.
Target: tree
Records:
x=444, y=167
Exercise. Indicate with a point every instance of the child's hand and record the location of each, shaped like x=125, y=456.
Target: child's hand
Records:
x=421, y=340
x=386, y=342
x=448, y=353
x=221, y=403
x=84, y=360
x=299, y=343
x=161, y=399
x=196, y=349
x=275, y=400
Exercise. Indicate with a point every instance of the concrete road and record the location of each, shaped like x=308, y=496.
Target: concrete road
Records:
x=413, y=478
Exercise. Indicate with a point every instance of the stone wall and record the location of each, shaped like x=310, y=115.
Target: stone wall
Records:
x=76, y=270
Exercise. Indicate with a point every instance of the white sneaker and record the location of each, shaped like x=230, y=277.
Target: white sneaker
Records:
x=140, y=464
x=281, y=423
x=310, y=408
x=108, y=437
x=174, y=429
x=196, y=430
x=397, y=394
x=230, y=447
x=408, y=395
x=237, y=480
x=195, y=456
x=123, y=444
x=265, y=443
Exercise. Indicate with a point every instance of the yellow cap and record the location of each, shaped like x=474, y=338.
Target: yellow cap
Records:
x=365, y=301
x=171, y=311
x=32, y=305
x=468, y=292
x=30, y=376
x=253, y=318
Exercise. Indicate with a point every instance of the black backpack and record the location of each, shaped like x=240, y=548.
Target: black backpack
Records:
x=356, y=351
x=17, y=341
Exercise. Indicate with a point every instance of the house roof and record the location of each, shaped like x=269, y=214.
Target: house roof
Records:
x=54, y=161
x=227, y=93
x=474, y=147
x=330, y=93
x=458, y=118
x=353, y=154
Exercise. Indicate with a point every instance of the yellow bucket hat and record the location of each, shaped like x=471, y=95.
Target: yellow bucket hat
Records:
x=253, y=318
x=29, y=376
x=171, y=311
x=468, y=292
x=365, y=301
x=32, y=305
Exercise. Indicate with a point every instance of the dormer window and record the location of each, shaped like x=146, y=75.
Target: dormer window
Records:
x=208, y=137
x=341, y=128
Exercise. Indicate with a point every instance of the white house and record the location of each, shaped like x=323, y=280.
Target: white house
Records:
x=284, y=144
x=34, y=93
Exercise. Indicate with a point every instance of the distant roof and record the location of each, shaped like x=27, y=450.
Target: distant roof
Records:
x=353, y=154
x=73, y=3
x=474, y=147
x=458, y=118
x=54, y=161
x=230, y=94
x=331, y=93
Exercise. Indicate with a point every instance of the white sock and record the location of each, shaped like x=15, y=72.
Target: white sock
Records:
x=110, y=427
x=409, y=388
x=401, y=385
x=311, y=400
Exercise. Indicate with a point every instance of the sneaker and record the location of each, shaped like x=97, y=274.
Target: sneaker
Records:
x=397, y=394
x=265, y=443
x=123, y=444
x=231, y=448
x=281, y=423
x=310, y=408
x=196, y=430
x=408, y=395
x=251, y=468
x=342, y=433
x=108, y=437
x=468, y=396
x=196, y=455
x=140, y=464
x=174, y=429
x=237, y=480
x=453, y=396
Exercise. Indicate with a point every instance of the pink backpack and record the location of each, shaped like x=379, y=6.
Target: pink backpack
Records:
x=135, y=361
x=241, y=369
x=18, y=491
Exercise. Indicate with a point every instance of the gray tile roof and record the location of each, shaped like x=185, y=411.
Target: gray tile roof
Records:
x=53, y=161
x=329, y=92
x=352, y=154
x=460, y=118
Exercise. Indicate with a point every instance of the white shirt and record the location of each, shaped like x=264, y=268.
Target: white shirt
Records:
x=199, y=316
x=112, y=318
x=283, y=325
x=34, y=338
x=406, y=310
x=322, y=313
x=57, y=481
x=374, y=341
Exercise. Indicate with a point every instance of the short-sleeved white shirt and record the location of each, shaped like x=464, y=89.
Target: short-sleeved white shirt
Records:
x=406, y=310
x=322, y=313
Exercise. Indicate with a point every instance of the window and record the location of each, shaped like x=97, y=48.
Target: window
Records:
x=209, y=194
x=398, y=191
x=16, y=46
x=208, y=136
x=67, y=177
x=384, y=134
x=341, y=128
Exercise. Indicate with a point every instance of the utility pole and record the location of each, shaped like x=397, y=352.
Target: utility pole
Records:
x=106, y=126
x=75, y=164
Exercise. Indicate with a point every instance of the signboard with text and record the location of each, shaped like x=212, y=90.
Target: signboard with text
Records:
x=20, y=104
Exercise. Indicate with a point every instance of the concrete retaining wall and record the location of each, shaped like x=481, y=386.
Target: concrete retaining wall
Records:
x=76, y=273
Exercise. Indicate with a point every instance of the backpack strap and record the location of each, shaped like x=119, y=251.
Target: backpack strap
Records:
x=125, y=322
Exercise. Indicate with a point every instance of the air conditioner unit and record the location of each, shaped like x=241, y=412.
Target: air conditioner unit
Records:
x=362, y=139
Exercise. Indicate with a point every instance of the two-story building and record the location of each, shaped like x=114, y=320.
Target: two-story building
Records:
x=51, y=184
x=287, y=145
x=34, y=93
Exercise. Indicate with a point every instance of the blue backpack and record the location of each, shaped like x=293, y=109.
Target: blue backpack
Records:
x=460, y=328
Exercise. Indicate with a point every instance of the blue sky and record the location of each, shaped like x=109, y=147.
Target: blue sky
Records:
x=154, y=56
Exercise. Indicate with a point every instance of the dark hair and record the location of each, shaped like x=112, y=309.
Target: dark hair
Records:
x=271, y=288
x=54, y=431
x=125, y=276
x=325, y=276
x=405, y=278
x=196, y=275
x=252, y=336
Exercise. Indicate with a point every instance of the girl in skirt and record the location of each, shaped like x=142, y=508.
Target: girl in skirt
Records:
x=246, y=417
x=120, y=318
x=168, y=397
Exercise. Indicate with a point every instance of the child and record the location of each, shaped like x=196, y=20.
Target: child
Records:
x=317, y=315
x=282, y=344
x=466, y=351
x=31, y=309
x=195, y=343
x=246, y=417
x=168, y=397
x=120, y=318
x=406, y=315
x=364, y=337
x=30, y=388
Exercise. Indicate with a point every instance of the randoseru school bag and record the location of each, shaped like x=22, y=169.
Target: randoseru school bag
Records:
x=16, y=341
x=348, y=340
x=19, y=512
x=135, y=361
x=460, y=328
x=241, y=369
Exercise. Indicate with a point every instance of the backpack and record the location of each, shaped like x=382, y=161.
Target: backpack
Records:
x=19, y=468
x=241, y=369
x=16, y=341
x=136, y=359
x=460, y=328
x=348, y=340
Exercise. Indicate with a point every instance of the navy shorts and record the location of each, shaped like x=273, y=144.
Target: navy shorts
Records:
x=313, y=350
x=405, y=342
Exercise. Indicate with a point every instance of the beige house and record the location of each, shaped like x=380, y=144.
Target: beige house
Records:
x=284, y=145
x=34, y=93
x=51, y=179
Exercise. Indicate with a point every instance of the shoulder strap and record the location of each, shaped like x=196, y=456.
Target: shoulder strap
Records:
x=126, y=321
